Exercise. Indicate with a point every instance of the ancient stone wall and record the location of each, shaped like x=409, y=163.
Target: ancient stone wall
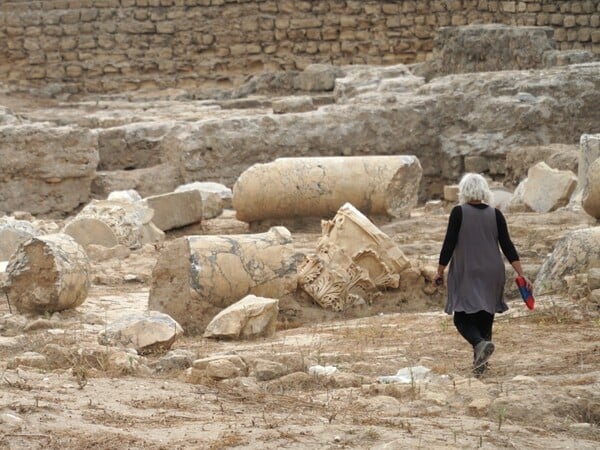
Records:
x=104, y=45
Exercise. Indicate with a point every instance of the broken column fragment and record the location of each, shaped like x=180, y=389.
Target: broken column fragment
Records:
x=354, y=260
x=195, y=277
x=47, y=274
x=112, y=222
x=317, y=187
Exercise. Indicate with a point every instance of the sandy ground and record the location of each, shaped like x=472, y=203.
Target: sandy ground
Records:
x=542, y=390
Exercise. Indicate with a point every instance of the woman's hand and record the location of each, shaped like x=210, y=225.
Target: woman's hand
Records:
x=438, y=279
x=528, y=283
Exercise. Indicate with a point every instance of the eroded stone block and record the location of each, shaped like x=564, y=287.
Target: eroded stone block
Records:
x=175, y=209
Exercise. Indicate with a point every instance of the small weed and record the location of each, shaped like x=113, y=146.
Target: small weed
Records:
x=372, y=434
x=226, y=441
x=501, y=413
x=444, y=324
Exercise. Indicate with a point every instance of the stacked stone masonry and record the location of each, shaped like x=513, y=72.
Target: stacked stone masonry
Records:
x=106, y=45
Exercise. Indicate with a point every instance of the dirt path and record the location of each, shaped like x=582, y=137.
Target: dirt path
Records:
x=542, y=390
x=542, y=386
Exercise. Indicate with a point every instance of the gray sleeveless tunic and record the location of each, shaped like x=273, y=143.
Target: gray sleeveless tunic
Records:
x=476, y=275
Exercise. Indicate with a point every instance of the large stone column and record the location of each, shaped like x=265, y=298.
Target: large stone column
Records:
x=318, y=187
x=589, y=151
x=195, y=277
x=587, y=192
x=47, y=274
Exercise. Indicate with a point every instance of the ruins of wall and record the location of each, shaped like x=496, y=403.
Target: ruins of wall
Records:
x=107, y=45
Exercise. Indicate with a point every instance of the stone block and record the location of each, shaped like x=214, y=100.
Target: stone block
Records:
x=451, y=193
x=476, y=48
x=293, y=105
x=250, y=317
x=547, y=189
x=175, y=209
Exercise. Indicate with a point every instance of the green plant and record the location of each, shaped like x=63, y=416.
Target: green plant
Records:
x=501, y=413
x=444, y=324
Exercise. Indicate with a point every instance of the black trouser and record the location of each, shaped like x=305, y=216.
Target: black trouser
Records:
x=474, y=327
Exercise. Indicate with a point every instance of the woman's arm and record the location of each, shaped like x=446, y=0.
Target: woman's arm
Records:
x=508, y=248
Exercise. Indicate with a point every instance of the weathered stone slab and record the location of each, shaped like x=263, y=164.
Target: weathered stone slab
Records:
x=318, y=187
x=220, y=367
x=47, y=274
x=359, y=81
x=175, y=209
x=45, y=167
x=197, y=276
x=547, y=189
x=501, y=198
x=265, y=370
x=214, y=196
x=251, y=317
x=516, y=202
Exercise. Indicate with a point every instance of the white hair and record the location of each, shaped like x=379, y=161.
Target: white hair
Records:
x=472, y=188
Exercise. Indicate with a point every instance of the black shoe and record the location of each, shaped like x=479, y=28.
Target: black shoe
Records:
x=479, y=371
x=483, y=351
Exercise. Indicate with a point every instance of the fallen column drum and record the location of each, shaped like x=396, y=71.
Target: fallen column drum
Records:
x=195, y=277
x=47, y=274
x=319, y=186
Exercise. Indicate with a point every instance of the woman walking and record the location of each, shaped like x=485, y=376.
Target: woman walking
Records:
x=476, y=276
